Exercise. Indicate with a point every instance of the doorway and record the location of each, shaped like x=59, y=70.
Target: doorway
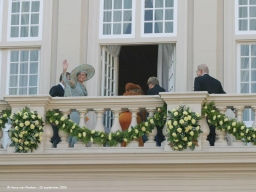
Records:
x=136, y=64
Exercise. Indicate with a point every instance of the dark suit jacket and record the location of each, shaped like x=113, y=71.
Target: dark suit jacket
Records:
x=57, y=91
x=209, y=84
x=155, y=90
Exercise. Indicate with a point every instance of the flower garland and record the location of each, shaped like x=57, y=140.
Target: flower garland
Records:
x=27, y=130
x=183, y=128
x=4, y=118
x=221, y=122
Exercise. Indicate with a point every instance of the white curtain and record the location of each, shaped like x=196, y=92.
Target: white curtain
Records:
x=113, y=49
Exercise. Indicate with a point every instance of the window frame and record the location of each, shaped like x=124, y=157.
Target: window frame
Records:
x=175, y=16
x=8, y=70
x=1, y=18
x=237, y=32
x=102, y=36
x=40, y=25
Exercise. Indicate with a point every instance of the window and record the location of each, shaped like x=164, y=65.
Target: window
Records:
x=23, y=72
x=246, y=16
x=247, y=74
x=159, y=17
x=25, y=19
x=117, y=18
x=1, y=18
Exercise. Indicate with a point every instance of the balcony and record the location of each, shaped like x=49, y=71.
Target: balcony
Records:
x=227, y=166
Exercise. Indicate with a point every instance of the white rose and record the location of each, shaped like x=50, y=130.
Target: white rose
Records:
x=36, y=122
x=226, y=119
x=73, y=127
x=185, y=139
x=174, y=109
x=176, y=148
x=191, y=133
x=180, y=146
x=20, y=147
x=36, y=135
x=27, y=123
x=185, y=118
x=212, y=111
x=40, y=138
x=25, y=117
x=64, y=125
x=102, y=135
x=71, y=131
x=20, y=135
x=170, y=127
x=193, y=121
x=146, y=124
x=56, y=114
x=151, y=121
x=234, y=124
x=32, y=126
x=158, y=109
x=4, y=115
x=40, y=127
x=129, y=130
x=21, y=124
x=174, y=134
x=242, y=134
x=234, y=130
x=229, y=127
x=1, y=121
x=134, y=137
x=143, y=129
x=118, y=133
x=125, y=140
x=197, y=114
x=185, y=112
x=56, y=122
x=33, y=116
x=249, y=138
x=247, y=130
x=189, y=117
x=176, y=113
x=62, y=118
x=84, y=134
x=189, y=144
x=221, y=123
x=16, y=128
x=242, y=128
x=253, y=135
x=179, y=130
x=39, y=117
x=92, y=131
x=26, y=142
x=169, y=122
x=136, y=131
x=176, y=140
x=91, y=139
x=205, y=107
x=175, y=123
x=79, y=135
x=209, y=120
x=181, y=121
x=218, y=116
x=197, y=128
x=109, y=137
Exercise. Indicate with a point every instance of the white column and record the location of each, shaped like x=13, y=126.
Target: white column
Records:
x=134, y=112
x=99, y=124
x=206, y=132
x=254, y=122
x=47, y=135
x=151, y=136
x=239, y=111
x=221, y=134
x=79, y=143
x=116, y=124
x=63, y=144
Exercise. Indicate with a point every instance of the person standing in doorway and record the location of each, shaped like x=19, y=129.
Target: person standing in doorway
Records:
x=204, y=82
x=57, y=91
x=154, y=89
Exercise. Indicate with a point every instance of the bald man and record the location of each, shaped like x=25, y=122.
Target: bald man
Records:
x=204, y=82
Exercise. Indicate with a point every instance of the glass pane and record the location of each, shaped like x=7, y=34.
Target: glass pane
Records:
x=159, y=27
x=106, y=29
x=243, y=12
x=148, y=27
x=23, y=68
x=159, y=3
x=14, y=68
x=13, y=91
x=254, y=63
x=253, y=88
x=33, y=68
x=24, y=31
x=252, y=11
x=34, y=55
x=244, y=63
x=25, y=7
x=246, y=114
x=244, y=76
x=32, y=91
x=168, y=27
x=34, y=31
x=169, y=14
x=148, y=15
x=253, y=24
x=127, y=16
x=253, y=48
x=34, y=18
x=24, y=19
x=117, y=29
x=107, y=16
x=33, y=80
x=252, y=2
x=15, y=7
x=13, y=81
x=23, y=91
x=35, y=6
x=117, y=16
x=159, y=14
x=244, y=87
x=14, y=31
x=127, y=28
x=148, y=3
x=169, y=3
x=244, y=50
x=243, y=2
x=242, y=25
x=15, y=20
x=24, y=56
x=107, y=4
x=127, y=4
x=252, y=115
x=14, y=56
x=253, y=75
x=23, y=81
x=117, y=4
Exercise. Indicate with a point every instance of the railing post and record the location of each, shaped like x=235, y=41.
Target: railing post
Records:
x=221, y=135
x=239, y=110
x=134, y=112
x=99, y=124
x=79, y=143
x=63, y=144
x=151, y=136
x=116, y=124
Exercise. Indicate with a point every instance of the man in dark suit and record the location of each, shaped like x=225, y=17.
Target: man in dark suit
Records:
x=154, y=89
x=204, y=82
x=57, y=91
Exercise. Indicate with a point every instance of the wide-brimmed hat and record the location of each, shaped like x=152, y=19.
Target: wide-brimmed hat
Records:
x=86, y=68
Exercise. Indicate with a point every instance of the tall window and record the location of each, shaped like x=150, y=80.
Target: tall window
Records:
x=247, y=74
x=246, y=16
x=25, y=19
x=23, y=72
x=159, y=17
x=1, y=18
x=117, y=18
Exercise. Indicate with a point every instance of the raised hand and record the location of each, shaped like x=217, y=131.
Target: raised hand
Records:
x=65, y=65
